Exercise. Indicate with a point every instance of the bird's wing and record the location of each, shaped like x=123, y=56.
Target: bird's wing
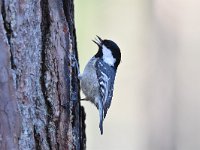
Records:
x=106, y=77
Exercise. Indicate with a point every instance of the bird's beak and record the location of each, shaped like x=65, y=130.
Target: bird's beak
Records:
x=98, y=41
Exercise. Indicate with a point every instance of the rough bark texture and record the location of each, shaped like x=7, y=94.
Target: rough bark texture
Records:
x=39, y=90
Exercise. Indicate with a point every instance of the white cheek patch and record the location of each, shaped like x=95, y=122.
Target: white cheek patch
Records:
x=107, y=56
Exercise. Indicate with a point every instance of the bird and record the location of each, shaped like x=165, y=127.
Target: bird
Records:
x=97, y=79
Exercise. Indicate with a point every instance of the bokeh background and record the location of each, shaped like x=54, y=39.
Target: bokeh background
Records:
x=156, y=103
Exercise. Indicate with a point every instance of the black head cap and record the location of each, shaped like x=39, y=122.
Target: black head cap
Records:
x=110, y=45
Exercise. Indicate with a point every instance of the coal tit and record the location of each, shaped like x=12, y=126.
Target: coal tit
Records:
x=98, y=77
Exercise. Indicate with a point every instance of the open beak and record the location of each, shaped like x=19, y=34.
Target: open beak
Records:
x=98, y=41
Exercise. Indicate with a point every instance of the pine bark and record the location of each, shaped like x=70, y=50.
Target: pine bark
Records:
x=39, y=88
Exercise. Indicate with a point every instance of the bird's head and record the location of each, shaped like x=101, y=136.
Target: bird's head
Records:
x=108, y=51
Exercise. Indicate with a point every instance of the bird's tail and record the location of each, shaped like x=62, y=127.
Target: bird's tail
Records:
x=101, y=116
x=101, y=126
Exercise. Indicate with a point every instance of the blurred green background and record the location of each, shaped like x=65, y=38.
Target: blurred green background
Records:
x=156, y=102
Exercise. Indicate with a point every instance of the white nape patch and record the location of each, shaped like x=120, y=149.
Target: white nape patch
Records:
x=107, y=56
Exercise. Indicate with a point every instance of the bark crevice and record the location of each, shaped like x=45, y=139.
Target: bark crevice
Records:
x=7, y=24
x=68, y=8
x=37, y=139
x=78, y=113
x=8, y=30
x=45, y=31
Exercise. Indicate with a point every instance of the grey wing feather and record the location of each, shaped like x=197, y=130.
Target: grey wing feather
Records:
x=106, y=78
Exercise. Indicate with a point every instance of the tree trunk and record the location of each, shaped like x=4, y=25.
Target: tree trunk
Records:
x=39, y=90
